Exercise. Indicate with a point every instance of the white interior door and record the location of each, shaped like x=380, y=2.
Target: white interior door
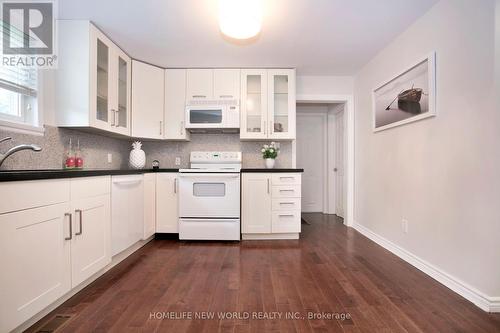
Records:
x=339, y=164
x=311, y=157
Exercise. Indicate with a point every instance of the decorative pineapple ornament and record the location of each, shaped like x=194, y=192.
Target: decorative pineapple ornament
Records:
x=137, y=156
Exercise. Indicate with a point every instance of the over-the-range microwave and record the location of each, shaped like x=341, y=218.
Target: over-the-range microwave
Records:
x=212, y=114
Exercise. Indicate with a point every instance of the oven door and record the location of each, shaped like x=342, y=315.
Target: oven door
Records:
x=209, y=195
x=205, y=116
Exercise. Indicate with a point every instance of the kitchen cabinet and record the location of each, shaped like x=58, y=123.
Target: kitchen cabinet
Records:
x=271, y=205
x=227, y=84
x=149, y=205
x=167, y=203
x=256, y=203
x=148, y=98
x=218, y=83
x=268, y=104
x=93, y=80
x=59, y=232
x=199, y=85
x=90, y=246
x=175, y=104
x=35, y=259
x=127, y=206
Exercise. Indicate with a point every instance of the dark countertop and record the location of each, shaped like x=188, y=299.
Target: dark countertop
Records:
x=270, y=170
x=15, y=175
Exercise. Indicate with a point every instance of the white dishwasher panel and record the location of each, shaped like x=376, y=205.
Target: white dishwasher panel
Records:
x=127, y=211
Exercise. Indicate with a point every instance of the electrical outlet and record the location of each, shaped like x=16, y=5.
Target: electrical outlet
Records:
x=177, y=161
x=110, y=158
x=404, y=225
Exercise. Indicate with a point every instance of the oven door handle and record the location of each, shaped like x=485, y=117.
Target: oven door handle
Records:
x=215, y=175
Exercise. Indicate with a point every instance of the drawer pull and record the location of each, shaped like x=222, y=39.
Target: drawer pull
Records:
x=287, y=190
x=287, y=177
x=287, y=203
x=287, y=215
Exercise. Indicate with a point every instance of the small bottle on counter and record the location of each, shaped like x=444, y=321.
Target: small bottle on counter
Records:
x=78, y=156
x=69, y=162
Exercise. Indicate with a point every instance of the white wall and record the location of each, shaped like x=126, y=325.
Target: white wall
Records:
x=442, y=173
x=325, y=85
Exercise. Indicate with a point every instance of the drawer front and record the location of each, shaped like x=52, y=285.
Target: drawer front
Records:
x=286, y=222
x=286, y=191
x=286, y=179
x=88, y=187
x=32, y=193
x=286, y=204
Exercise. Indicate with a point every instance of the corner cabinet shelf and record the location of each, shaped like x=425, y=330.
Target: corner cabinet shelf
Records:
x=268, y=104
x=93, y=80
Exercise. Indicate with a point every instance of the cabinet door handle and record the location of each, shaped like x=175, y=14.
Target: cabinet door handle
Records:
x=226, y=96
x=265, y=129
x=287, y=190
x=117, y=118
x=287, y=203
x=161, y=127
x=268, y=187
x=112, y=117
x=80, y=213
x=182, y=127
x=175, y=185
x=287, y=177
x=199, y=96
x=271, y=127
x=70, y=226
x=286, y=215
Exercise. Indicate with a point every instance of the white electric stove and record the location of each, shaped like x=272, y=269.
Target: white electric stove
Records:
x=209, y=197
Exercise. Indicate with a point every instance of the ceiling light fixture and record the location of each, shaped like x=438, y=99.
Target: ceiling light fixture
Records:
x=240, y=19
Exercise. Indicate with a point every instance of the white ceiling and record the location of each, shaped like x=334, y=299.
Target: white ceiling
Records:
x=319, y=37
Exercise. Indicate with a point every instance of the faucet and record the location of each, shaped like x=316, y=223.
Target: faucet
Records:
x=16, y=149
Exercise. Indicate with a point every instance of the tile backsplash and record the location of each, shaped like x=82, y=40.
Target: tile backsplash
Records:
x=95, y=149
x=166, y=152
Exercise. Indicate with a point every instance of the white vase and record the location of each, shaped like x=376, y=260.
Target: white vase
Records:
x=269, y=163
x=137, y=159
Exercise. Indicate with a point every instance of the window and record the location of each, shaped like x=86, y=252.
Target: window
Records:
x=18, y=95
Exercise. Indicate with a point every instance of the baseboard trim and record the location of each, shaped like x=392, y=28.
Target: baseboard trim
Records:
x=484, y=302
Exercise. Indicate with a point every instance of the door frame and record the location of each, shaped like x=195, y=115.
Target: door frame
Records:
x=324, y=116
x=348, y=100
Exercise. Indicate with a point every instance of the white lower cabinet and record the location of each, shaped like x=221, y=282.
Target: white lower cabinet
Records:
x=46, y=251
x=35, y=260
x=270, y=206
x=167, y=202
x=90, y=246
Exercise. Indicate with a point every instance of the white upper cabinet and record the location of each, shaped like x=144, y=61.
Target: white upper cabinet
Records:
x=219, y=83
x=175, y=104
x=93, y=80
x=268, y=104
x=148, y=98
x=227, y=84
x=253, y=104
x=200, y=83
x=281, y=103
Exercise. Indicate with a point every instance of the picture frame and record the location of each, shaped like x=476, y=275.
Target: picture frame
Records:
x=408, y=96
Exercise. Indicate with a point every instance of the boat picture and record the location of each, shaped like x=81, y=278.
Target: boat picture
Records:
x=407, y=97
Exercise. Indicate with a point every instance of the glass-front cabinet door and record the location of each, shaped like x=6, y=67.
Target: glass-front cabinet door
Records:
x=102, y=73
x=121, y=108
x=254, y=120
x=281, y=106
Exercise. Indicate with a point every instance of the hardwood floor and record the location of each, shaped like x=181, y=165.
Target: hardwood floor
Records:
x=331, y=269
